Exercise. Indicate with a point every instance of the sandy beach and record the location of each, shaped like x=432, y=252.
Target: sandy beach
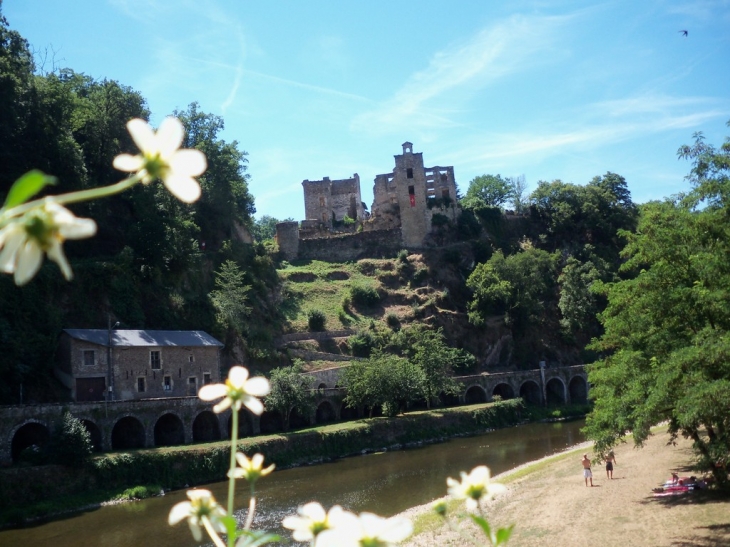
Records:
x=551, y=507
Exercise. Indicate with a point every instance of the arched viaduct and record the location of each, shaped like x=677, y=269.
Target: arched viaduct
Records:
x=121, y=425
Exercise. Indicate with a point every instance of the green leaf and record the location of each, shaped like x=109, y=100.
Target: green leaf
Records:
x=483, y=524
x=503, y=535
x=27, y=186
x=254, y=538
x=230, y=523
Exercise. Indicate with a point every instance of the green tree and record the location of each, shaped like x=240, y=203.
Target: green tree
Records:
x=383, y=380
x=265, y=227
x=488, y=191
x=230, y=297
x=520, y=287
x=290, y=390
x=518, y=187
x=667, y=327
x=427, y=349
x=71, y=443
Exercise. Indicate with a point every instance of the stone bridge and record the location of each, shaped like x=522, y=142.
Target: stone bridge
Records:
x=123, y=425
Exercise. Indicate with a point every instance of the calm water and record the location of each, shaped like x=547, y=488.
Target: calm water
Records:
x=384, y=483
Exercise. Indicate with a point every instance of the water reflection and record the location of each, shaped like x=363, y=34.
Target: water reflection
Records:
x=385, y=483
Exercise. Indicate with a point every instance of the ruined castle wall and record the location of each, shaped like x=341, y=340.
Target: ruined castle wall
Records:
x=287, y=237
x=317, y=199
x=340, y=248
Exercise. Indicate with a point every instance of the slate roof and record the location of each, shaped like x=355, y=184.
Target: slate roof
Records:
x=139, y=338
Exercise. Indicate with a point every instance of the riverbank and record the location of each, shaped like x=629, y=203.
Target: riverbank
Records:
x=24, y=497
x=550, y=505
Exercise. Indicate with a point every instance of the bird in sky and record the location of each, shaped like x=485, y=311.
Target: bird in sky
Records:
x=684, y=32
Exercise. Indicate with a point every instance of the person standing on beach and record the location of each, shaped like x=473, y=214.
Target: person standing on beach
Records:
x=610, y=461
x=587, y=475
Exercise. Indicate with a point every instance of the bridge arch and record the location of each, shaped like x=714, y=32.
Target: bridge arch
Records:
x=169, y=430
x=297, y=420
x=206, y=427
x=245, y=426
x=555, y=391
x=322, y=386
x=448, y=399
x=270, y=421
x=578, y=390
x=31, y=432
x=530, y=392
x=475, y=394
x=325, y=413
x=128, y=432
x=347, y=412
x=504, y=390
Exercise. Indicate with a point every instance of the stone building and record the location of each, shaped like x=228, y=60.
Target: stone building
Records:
x=328, y=201
x=406, y=192
x=404, y=203
x=136, y=364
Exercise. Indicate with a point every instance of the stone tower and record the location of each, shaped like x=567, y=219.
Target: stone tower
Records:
x=409, y=189
x=330, y=200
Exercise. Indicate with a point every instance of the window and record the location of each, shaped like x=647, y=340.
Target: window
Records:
x=206, y=378
x=167, y=383
x=411, y=190
x=409, y=173
x=140, y=385
x=445, y=193
x=190, y=358
x=89, y=358
x=192, y=385
x=321, y=201
x=155, y=361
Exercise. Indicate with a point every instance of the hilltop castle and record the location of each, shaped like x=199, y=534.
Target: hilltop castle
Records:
x=338, y=225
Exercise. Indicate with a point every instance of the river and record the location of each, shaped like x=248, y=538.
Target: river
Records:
x=385, y=483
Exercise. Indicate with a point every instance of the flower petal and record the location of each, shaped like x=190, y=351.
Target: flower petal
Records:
x=237, y=376
x=128, y=163
x=184, y=188
x=55, y=253
x=80, y=228
x=223, y=405
x=30, y=257
x=396, y=529
x=178, y=512
x=142, y=134
x=14, y=237
x=253, y=404
x=258, y=386
x=169, y=136
x=210, y=392
x=191, y=163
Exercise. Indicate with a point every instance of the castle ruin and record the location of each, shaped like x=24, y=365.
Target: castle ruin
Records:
x=337, y=225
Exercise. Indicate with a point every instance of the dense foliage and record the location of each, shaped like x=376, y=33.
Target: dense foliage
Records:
x=151, y=264
x=290, y=391
x=666, y=344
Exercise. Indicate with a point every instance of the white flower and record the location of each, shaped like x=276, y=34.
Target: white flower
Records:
x=252, y=469
x=367, y=530
x=41, y=230
x=162, y=159
x=201, y=510
x=474, y=487
x=237, y=390
x=312, y=521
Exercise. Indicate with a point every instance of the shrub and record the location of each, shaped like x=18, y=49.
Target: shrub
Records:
x=403, y=255
x=392, y=321
x=364, y=296
x=71, y=444
x=361, y=344
x=348, y=221
x=419, y=277
x=316, y=320
x=439, y=220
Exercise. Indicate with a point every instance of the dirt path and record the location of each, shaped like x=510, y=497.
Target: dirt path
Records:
x=552, y=507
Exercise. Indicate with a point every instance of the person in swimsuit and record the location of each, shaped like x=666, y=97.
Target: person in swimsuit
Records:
x=610, y=461
x=587, y=475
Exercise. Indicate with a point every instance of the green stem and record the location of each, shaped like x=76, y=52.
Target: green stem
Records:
x=75, y=197
x=231, y=472
x=251, y=509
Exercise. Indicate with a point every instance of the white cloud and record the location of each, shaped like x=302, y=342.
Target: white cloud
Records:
x=510, y=46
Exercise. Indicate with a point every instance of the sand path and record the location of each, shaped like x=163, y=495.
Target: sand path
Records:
x=552, y=507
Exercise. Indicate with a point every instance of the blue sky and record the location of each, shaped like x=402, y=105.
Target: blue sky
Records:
x=546, y=89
